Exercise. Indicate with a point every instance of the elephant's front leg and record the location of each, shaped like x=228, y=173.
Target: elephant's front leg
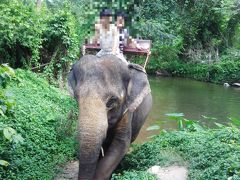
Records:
x=117, y=149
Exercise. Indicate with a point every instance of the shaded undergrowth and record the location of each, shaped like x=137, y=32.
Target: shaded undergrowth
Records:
x=43, y=116
x=207, y=153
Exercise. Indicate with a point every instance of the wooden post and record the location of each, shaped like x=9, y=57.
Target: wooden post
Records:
x=146, y=61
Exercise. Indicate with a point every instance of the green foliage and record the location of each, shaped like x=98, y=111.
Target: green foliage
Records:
x=11, y=135
x=235, y=121
x=35, y=39
x=153, y=128
x=218, y=72
x=195, y=31
x=60, y=47
x=138, y=175
x=209, y=154
x=20, y=31
x=186, y=31
x=6, y=74
x=40, y=115
x=4, y=163
x=6, y=102
x=7, y=134
x=200, y=33
x=8, y=137
x=179, y=118
x=191, y=32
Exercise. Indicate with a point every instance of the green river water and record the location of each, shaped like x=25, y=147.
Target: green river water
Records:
x=197, y=100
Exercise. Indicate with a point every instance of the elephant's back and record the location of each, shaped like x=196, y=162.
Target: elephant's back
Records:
x=88, y=58
x=107, y=62
x=94, y=59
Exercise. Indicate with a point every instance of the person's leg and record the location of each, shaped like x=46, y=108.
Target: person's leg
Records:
x=100, y=53
x=120, y=56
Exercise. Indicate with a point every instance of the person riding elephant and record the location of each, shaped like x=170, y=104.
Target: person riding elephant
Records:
x=114, y=100
x=107, y=34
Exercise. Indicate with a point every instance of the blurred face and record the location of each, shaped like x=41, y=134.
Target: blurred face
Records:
x=120, y=21
x=105, y=20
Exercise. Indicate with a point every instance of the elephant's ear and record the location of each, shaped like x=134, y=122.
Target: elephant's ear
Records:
x=71, y=82
x=138, y=87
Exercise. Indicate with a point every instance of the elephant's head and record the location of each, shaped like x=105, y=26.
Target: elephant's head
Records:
x=104, y=89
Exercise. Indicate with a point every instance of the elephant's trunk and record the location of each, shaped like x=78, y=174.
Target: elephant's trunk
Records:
x=92, y=131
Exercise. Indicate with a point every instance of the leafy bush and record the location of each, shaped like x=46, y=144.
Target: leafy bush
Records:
x=208, y=154
x=21, y=30
x=6, y=102
x=32, y=38
x=205, y=28
x=7, y=134
x=9, y=137
x=60, y=47
x=218, y=72
x=42, y=115
x=138, y=175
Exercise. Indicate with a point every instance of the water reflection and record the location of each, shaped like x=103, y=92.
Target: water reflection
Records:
x=193, y=98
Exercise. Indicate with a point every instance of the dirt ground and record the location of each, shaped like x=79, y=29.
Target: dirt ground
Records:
x=169, y=173
x=70, y=172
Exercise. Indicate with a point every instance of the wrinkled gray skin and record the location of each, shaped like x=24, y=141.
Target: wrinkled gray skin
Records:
x=104, y=88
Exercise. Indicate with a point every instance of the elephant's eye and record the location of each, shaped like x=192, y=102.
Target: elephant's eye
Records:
x=112, y=102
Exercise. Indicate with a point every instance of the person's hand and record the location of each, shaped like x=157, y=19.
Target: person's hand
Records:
x=83, y=50
x=149, y=52
x=139, y=47
x=95, y=43
x=97, y=26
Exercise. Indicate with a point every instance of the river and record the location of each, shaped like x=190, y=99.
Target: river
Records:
x=196, y=100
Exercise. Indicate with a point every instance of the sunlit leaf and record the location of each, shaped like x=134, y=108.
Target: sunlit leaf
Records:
x=153, y=128
x=1, y=112
x=189, y=122
x=219, y=125
x=180, y=125
x=17, y=138
x=197, y=127
x=4, y=163
x=235, y=121
x=150, y=137
x=175, y=115
x=1, y=126
x=3, y=108
x=8, y=133
x=209, y=118
x=9, y=70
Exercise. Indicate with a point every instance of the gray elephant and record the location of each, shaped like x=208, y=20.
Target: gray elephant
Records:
x=114, y=100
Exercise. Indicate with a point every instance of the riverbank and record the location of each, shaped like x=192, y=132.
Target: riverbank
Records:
x=224, y=71
x=201, y=153
x=45, y=118
x=207, y=153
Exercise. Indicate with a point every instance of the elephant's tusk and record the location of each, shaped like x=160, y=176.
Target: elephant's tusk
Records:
x=126, y=110
x=102, y=151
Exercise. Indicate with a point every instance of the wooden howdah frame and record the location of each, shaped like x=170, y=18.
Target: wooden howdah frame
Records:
x=145, y=44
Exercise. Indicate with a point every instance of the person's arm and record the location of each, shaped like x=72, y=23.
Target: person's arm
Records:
x=97, y=34
x=136, y=45
x=115, y=40
x=133, y=43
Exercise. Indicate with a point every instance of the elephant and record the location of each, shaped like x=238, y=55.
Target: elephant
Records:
x=114, y=100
